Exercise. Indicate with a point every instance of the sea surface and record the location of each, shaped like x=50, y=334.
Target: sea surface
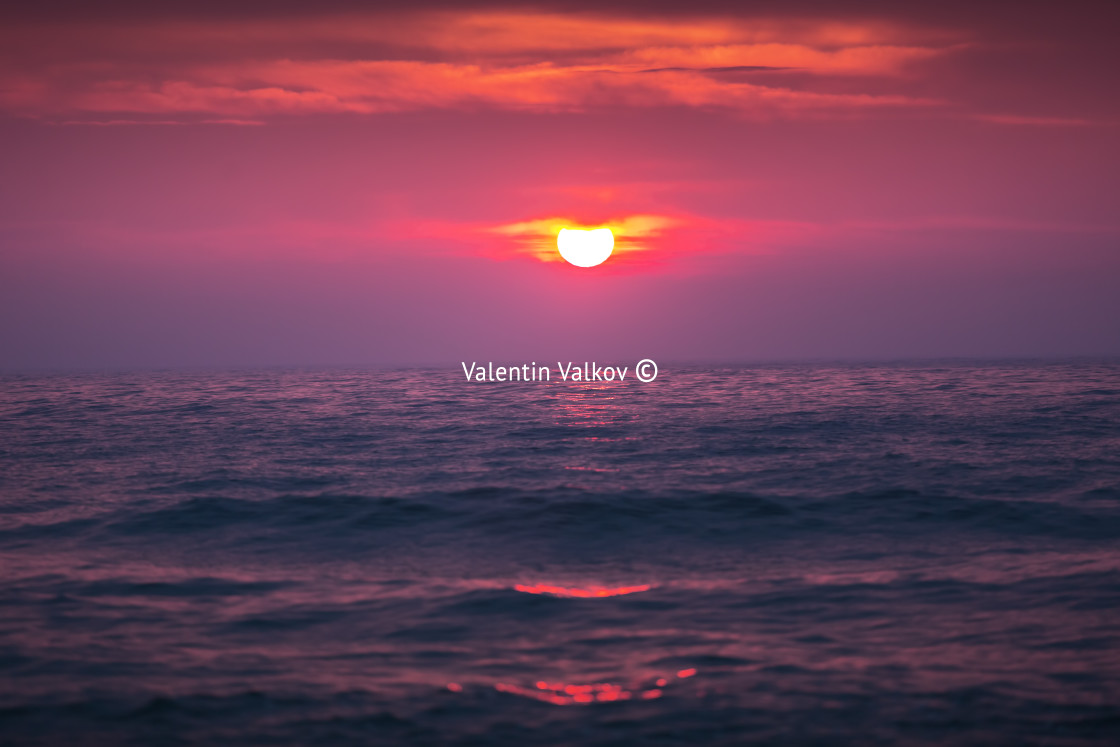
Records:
x=815, y=554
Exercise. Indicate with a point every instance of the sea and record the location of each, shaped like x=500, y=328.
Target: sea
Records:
x=866, y=554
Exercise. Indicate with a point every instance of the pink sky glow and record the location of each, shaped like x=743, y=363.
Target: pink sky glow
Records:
x=206, y=184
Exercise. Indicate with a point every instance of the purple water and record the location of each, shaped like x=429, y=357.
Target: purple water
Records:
x=909, y=554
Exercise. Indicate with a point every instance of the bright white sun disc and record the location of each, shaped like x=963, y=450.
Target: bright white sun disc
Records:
x=585, y=248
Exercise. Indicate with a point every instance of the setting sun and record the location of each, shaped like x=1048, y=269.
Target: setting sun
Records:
x=585, y=248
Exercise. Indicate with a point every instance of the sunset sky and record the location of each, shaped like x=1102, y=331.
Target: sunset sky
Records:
x=225, y=184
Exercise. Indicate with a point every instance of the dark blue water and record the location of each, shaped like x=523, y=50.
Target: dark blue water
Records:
x=791, y=555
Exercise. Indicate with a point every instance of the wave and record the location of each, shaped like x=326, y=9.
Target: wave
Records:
x=507, y=513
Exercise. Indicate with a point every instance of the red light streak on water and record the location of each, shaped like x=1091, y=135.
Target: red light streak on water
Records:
x=566, y=694
x=593, y=592
x=559, y=693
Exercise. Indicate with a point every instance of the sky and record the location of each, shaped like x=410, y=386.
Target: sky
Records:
x=214, y=184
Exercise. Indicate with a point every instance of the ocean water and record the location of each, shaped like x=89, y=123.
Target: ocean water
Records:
x=889, y=554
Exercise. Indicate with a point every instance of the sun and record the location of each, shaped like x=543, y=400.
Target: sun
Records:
x=585, y=248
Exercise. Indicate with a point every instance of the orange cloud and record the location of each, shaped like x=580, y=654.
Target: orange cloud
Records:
x=861, y=60
x=542, y=62
x=370, y=87
x=537, y=238
x=460, y=33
